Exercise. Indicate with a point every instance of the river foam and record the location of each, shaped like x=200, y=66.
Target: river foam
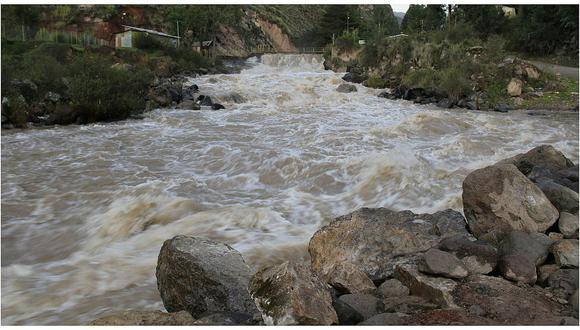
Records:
x=86, y=208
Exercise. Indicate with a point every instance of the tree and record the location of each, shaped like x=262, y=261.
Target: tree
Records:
x=379, y=20
x=336, y=20
x=485, y=19
x=421, y=18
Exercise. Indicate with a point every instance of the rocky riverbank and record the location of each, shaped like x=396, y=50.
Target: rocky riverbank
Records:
x=513, y=259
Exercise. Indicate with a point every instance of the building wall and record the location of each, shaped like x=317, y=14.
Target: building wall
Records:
x=124, y=40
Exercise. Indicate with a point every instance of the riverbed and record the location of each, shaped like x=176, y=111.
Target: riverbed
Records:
x=85, y=209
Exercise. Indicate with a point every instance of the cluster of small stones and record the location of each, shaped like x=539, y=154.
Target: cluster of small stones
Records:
x=513, y=259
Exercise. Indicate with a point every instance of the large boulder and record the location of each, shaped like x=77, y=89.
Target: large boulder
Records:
x=564, y=280
x=354, y=77
x=377, y=239
x=203, y=277
x=291, y=293
x=517, y=268
x=157, y=318
x=534, y=247
x=441, y=263
x=501, y=199
x=392, y=288
x=435, y=289
x=566, y=252
x=347, y=315
x=544, y=156
x=478, y=256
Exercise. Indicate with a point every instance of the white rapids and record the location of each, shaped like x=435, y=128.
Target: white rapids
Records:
x=85, y=209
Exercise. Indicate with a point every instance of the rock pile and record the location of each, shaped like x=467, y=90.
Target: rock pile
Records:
x=512, y=260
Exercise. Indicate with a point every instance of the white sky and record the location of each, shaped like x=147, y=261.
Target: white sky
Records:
x=400, y=7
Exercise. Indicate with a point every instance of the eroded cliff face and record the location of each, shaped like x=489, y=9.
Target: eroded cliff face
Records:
x=253, y=32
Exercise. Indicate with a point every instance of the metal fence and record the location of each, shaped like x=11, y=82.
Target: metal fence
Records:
x=262, y=49
x=27, y=33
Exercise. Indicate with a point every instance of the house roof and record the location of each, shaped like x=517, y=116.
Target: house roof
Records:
x=161, y=34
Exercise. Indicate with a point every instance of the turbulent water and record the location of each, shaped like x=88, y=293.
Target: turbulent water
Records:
x=85, y=209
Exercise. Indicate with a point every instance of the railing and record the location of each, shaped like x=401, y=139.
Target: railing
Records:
x=304, y=50
x=26, y=33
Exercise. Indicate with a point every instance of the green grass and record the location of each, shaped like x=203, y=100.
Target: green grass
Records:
x=566, y=97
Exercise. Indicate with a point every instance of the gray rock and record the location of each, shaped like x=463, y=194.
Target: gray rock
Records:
x=365, y=304
x=217, y=106
x=544, y=273
x=204, y=100
x=435, y=289
x=564, y=280
x=502, y=107
x=354, y=77
x=566, y=252
x=437, y=262
x=501, y=199
x=377, y=239
x=544, y=156
x=392, y=288
x=387, y=319
x=408, y=304
x=52, y=97
x=563, y=198
x=346, y=88
x=203, y=277
x=530, y=246
x=291, y=293
x=568, y=225
x=346, y=314
x=348, y=278
x=517, y=268
x=479, y=257
x=445, y=104
x=157, y=318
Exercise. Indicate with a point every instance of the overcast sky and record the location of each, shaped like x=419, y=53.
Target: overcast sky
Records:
x=400, y=7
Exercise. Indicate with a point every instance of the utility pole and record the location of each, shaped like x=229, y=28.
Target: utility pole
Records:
x=347, y=21
x=177, y=33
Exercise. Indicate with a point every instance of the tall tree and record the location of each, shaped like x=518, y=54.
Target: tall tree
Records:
x=423, y=18
x=485, y=19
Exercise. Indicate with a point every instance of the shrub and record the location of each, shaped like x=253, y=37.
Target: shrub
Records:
x=187, y=60
x=454, y=83
x=374, y=81
x=347, y=40
x=14, y=107
x=100, y=93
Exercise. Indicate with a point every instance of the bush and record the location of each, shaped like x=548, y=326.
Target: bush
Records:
x=14, y=107
x=374, y=81
x=100, y=93
x=187, y=60
x=454, y=83
x=347, y=41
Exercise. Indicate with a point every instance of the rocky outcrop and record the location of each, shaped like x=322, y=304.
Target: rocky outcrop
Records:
x=372, y=239
x=203, y=277
x=566, y=252
x=291, y=294
x=568, y=224
x=157, y=318
x=501, y=199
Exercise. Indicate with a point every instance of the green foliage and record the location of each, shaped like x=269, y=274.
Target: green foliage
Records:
x=378, y=21
x=347, y=40
x=100, y=93
x=186, y=60
x=202, y=20
x=374, y=81
x=453, y=81
x=14, y=107
x=485, y=19
x=338, y=18
x=420, y=18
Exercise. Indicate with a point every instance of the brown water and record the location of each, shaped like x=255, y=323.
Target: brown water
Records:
x=85, y=209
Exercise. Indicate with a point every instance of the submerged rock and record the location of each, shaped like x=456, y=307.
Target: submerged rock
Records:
x=145, y=318
x=501, y=199
x=346, y=88
x=203, y=277
x=375, y=239
x=291, y=294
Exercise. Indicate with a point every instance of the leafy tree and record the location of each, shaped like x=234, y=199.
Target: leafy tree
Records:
x=423, y=18
x=379, y=21
x=336, y=19
x=485, y=19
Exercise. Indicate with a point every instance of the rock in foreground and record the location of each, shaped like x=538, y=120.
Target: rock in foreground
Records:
x=501, y=199
x=290, y=294
x=203, y=277
x=373, y=239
